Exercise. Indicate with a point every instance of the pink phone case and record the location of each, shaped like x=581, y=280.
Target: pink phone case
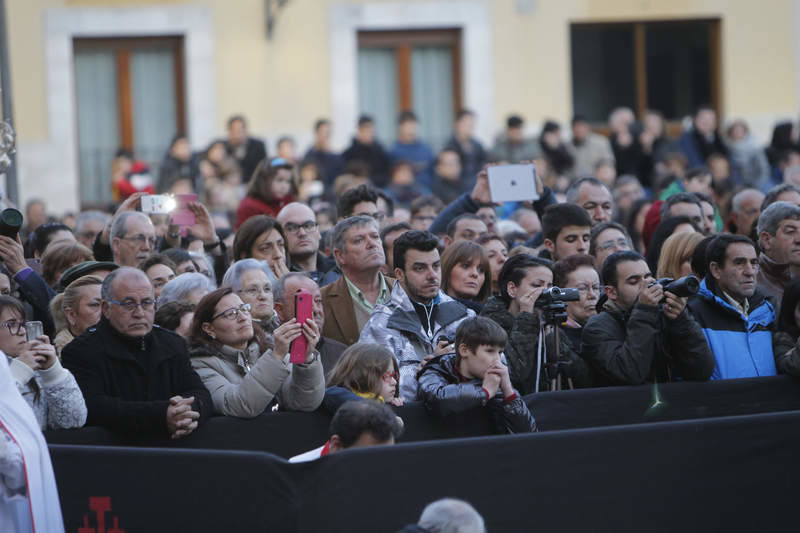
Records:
x=302, y=312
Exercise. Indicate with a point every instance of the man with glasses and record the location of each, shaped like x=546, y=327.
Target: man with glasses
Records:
x=136, y=379
x=133, y=238
x=607, y=238
x=302, y=235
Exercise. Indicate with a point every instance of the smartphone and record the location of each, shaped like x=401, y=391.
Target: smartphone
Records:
x=181, y=215
x=157, y=204
x=33, y=330
x=302, y=312
x=512, y=183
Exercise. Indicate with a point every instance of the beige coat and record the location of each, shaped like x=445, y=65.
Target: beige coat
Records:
x=244, y=384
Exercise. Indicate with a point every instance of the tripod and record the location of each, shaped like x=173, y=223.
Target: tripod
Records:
x=553, y=315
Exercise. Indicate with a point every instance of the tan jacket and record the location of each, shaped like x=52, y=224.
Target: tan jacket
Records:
x=244, y=384
x=340, y=319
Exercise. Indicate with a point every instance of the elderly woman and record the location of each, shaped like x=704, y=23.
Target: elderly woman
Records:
x=252, y=281
x=76, y=309
x=243, y=372
x=186, y=288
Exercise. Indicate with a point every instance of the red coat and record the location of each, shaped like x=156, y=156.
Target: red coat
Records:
x=250, y=207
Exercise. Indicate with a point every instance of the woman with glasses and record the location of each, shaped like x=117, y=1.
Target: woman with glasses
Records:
x=577, y=272
x=271, y=187
x=365, y=371
x=252, y=281
x=76, y=309
x=246, y=371
x=262, y=238
x=49, y=389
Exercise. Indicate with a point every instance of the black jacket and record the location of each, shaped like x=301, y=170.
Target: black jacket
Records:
x=631, y=348
x=374, y=155
x=127, y=382
x=254, y=153
x=445, y=392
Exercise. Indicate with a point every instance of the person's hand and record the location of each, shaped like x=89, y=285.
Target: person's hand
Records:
x=44, y=352
x=444, y=347
x=527, y=301
x=131, y=203
x=203, y=227
x=397, y=402
x=12, y=254
x=651, y=295
x=181, y=420
x=29, y=358
x=424, y=361
x=312, y=335
x=674, y=305
x=283, y=337
x=278, y=267
x=481, y=194
x=491, y=382
x=501, y=370
x=538, y=179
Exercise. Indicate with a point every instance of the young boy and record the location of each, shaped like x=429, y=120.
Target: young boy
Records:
x=475, y=376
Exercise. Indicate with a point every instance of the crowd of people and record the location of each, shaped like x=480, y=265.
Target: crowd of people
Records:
x=421, y=288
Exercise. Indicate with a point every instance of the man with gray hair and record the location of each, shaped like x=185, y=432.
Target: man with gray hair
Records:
x=745, y=209
x=133, y=238
x=350, y=300
x=89, y=225
x=136, y=378
x=448, y=515
x=683, y=204
x=779, y=238
x=594, y=197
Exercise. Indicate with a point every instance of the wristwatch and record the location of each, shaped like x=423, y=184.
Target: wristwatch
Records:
x=211, y=246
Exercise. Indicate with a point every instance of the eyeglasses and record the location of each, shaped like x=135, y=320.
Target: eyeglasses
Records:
x=233, y=312
x=130, y=305
x=387, y=377
x=14, y=327
x=619, y=243
x=253, y=292
x=583, y=289
x=142, y=239
x=291, y=227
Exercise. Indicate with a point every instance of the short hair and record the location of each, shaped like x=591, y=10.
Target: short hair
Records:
x=355, y=418
x=406, y=116
x=90, y=216
x=625, y=179
x=353, y=197
x=107, y=289
x=449, y=515
x=426, y=200
x=464, y=113
x=703, y=197
x=364, y=120
x=514, y=270
x=279, y=287
x=249, y=232
x=237, y=118
x=738, y=198
x=772, y=195
x=178, y=288
x=60, y=257
x=564, y=267
x=514, y=121
x=233, y=276
x=479, y=331
x=703, y=107
x=169, y=316
x=699, y=265
x=557, y=217
x=321, y=122
x=339, y=231
x=696, y=172
x=574, y=187
x=451, y=227
x=677, y=249
x=386, y=197
x=177, y=256
x=13, y=303
x=718, y=248
x=662, y=232
x=461, y=252
x=42, y=235
x=119, y=227
x=773, y=215
x=600, y=228
x=423, y=241
x=360, y=368
x=157, y=259
x=678, y=198
x=609, y=272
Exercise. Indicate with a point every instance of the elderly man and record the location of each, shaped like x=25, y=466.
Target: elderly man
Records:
x=594, y=197
x=136, y=378
x=284, y=291
x=133, y=238
x=745, y=209
x=779, y=237
x=302, y=235
x=350, y=300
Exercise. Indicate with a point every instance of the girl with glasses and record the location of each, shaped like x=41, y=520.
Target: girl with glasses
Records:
x=247, y=371
x=365, y=371
x=49, y=389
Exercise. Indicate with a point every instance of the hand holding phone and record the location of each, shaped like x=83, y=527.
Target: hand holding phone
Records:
x=302, y=311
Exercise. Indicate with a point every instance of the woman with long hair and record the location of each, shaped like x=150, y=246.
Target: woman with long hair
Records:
x=271, y=187
x=466, y=274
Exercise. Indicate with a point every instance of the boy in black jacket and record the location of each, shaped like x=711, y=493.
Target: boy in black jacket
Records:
x=475, y=376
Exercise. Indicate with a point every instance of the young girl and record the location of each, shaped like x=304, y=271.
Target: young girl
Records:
x=270, y=189
x=364, y=371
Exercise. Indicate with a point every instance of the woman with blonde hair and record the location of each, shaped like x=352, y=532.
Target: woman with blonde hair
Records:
x=676, y=255
x=76, y=309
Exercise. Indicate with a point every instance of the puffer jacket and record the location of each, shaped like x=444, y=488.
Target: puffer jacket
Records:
x=446, y=392
x=787, y=353
x=742, y=346
x=246, y=383
x=522, y=349
x=641, y=345
x=397, y=326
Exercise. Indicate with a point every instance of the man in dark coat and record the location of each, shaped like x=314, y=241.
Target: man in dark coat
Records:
x=366, y=148
x=136, y=378
x=247, y=151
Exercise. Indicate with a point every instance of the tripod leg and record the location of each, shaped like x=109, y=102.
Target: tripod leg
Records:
x=559, y=385
x=570, y=384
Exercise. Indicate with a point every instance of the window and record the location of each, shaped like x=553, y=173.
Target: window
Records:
x=419, y=70
x=129, y=94
x=671, y=66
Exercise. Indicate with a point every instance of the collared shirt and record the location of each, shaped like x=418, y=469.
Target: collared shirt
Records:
x=361, y=300
x=744, y=309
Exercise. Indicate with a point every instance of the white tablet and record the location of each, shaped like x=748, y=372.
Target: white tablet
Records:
x=512, y=183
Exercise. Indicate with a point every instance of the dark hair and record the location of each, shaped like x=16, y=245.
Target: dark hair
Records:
x=718, y=248
x=260, y=185
x=177, y=256
x=407, y=116
x=13, y=303
x=563, y=268
x=678, y=198
x=205, y=311
x=355, y=418
x=320, y=122
x=514, y=121
x=391, y=229
x=600, y=228
x=630, y=220
x=786, y=320
x=702, y=107
x=62, y=255
x=41, y=236
x=157, y=259
x=479, y=331
x=460, y=252
x=237, y=118
x=609, y=272
x=577, y=117
x=464, y=113
x=663, y=231
x=557, y=217
x=386, y=197
x=169, y=315
x=696, y=172
x=353, y=197
x=514, y=269
x=365, y=119
x=699, y=265
x=451, y=227
x=250, y=231
x=772, y=196
x=360, y=368
x=423, y=241
x=703, y=197
x=426, y=200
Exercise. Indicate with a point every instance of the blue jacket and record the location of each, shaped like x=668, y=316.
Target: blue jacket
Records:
x=742, y=346
x=420, y=156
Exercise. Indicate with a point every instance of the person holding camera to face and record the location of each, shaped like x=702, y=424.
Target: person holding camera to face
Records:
x=644, y=332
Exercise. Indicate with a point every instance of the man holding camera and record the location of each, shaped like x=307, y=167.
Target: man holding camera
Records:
x=643, y=333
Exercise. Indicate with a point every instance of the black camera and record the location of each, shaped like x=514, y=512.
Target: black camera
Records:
x=10, y=222
x=683, y=287
x=555, y=295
